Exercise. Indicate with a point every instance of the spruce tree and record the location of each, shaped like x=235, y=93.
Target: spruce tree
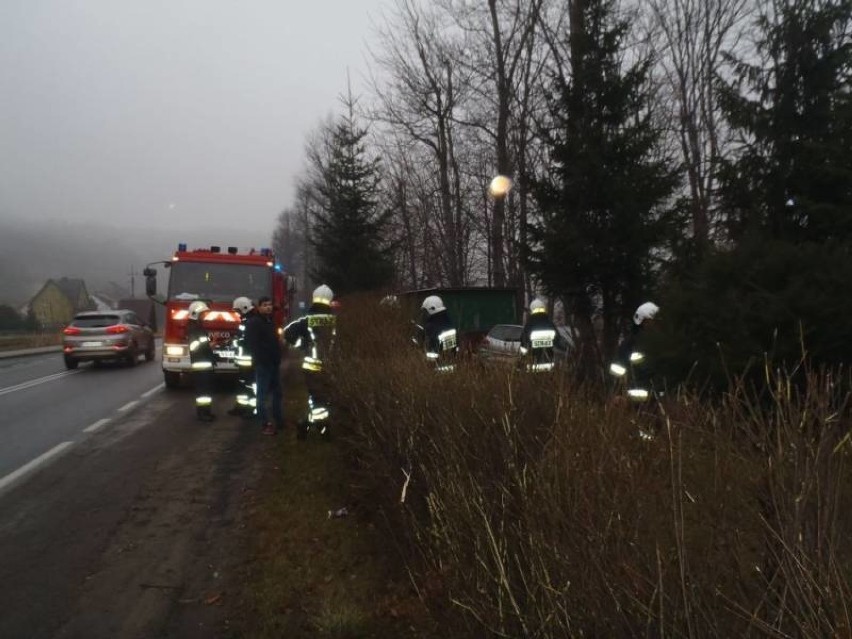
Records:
x=792, y=110
x=349, y=226
x=603, y=199
x=776, y=290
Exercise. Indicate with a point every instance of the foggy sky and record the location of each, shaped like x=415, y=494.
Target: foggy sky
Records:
x=168, y=112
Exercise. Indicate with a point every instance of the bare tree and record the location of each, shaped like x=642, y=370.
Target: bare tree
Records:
x=408, y=192
x=504, y=62
x=695, y=34
x=291, y=238
x=420, y=97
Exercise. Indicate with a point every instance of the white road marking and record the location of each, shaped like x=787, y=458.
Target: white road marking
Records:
x=101, y=422
x=93, y=427
x=56, y=450
x=36, y=382
x=147, y=394
x=32, y=465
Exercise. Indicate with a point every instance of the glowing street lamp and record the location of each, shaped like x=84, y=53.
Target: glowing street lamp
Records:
x=500, y=186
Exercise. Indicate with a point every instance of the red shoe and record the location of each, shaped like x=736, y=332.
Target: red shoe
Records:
x=268, y=429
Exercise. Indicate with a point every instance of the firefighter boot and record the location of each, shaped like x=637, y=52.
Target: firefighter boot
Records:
x=302, y=429
x=319, y=419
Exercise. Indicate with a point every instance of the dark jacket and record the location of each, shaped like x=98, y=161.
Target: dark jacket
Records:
x=538, y=351
x=314, y=335
x=200, y=349
x=632, y=356
x=436, y=325
x=261, y=340
x=242, y=354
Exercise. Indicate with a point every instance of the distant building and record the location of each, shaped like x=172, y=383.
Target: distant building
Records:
x=110, y=294
x=58, y=301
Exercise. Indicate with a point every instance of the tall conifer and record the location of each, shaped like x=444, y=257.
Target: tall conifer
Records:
x=792, y=109
x=603, y=198
x=349, y=226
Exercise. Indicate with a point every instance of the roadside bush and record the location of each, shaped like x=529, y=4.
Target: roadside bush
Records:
x=763, y=299
x=10, y=320
x=18, y=340
x=528, y=507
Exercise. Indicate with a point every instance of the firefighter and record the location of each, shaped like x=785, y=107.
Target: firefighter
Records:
x=537, y=339
x=314, y=335
x=631, y=368
x=438, y=335
x=202, y=359
x=246, y=400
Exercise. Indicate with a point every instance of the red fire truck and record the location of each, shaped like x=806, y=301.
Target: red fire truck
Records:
x=217, y=277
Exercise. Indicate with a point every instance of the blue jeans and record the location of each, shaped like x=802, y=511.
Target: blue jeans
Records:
x=268, y=379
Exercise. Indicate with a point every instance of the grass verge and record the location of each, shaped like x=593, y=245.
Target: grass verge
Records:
x=311, y=574
x=15, y=341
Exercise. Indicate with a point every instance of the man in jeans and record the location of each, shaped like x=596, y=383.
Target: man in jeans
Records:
x=265, y=349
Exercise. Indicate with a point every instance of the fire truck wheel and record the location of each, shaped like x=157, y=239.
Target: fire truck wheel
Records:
x=171, y=379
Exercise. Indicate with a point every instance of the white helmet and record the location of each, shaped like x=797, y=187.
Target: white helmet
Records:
x=243, y=305
x=197, y=308
x=322, y=295
x=433, y=304
x=537, y=306
x=646, y=311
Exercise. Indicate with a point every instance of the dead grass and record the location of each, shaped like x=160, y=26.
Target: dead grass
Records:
x=313, y=575
x=16, y=341
x=490, y=503
x=533, y=508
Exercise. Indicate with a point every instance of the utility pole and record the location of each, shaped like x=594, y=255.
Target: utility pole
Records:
x=133, y=273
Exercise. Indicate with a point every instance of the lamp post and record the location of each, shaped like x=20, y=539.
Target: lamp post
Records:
x=498, y=189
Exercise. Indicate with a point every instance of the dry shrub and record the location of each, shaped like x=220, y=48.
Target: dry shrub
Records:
x=535, y=509
x=14, y=341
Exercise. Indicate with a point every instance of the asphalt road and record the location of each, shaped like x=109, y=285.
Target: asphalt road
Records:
x=43, y=406
x=131, y=527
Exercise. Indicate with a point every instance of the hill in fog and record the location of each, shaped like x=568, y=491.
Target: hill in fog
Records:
x=102, y=255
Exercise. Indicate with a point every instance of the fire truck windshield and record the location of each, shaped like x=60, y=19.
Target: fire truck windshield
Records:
x=218, y=282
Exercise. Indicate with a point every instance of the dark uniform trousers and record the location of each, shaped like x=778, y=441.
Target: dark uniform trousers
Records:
x=202, y=360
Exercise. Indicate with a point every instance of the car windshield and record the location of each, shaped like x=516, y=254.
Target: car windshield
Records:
x=218, y=282
x=95, y=321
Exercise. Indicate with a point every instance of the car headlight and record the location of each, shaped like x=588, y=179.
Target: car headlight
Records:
x=175, y=351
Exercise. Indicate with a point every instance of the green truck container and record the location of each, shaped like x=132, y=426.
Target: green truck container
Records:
x=473, y=309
